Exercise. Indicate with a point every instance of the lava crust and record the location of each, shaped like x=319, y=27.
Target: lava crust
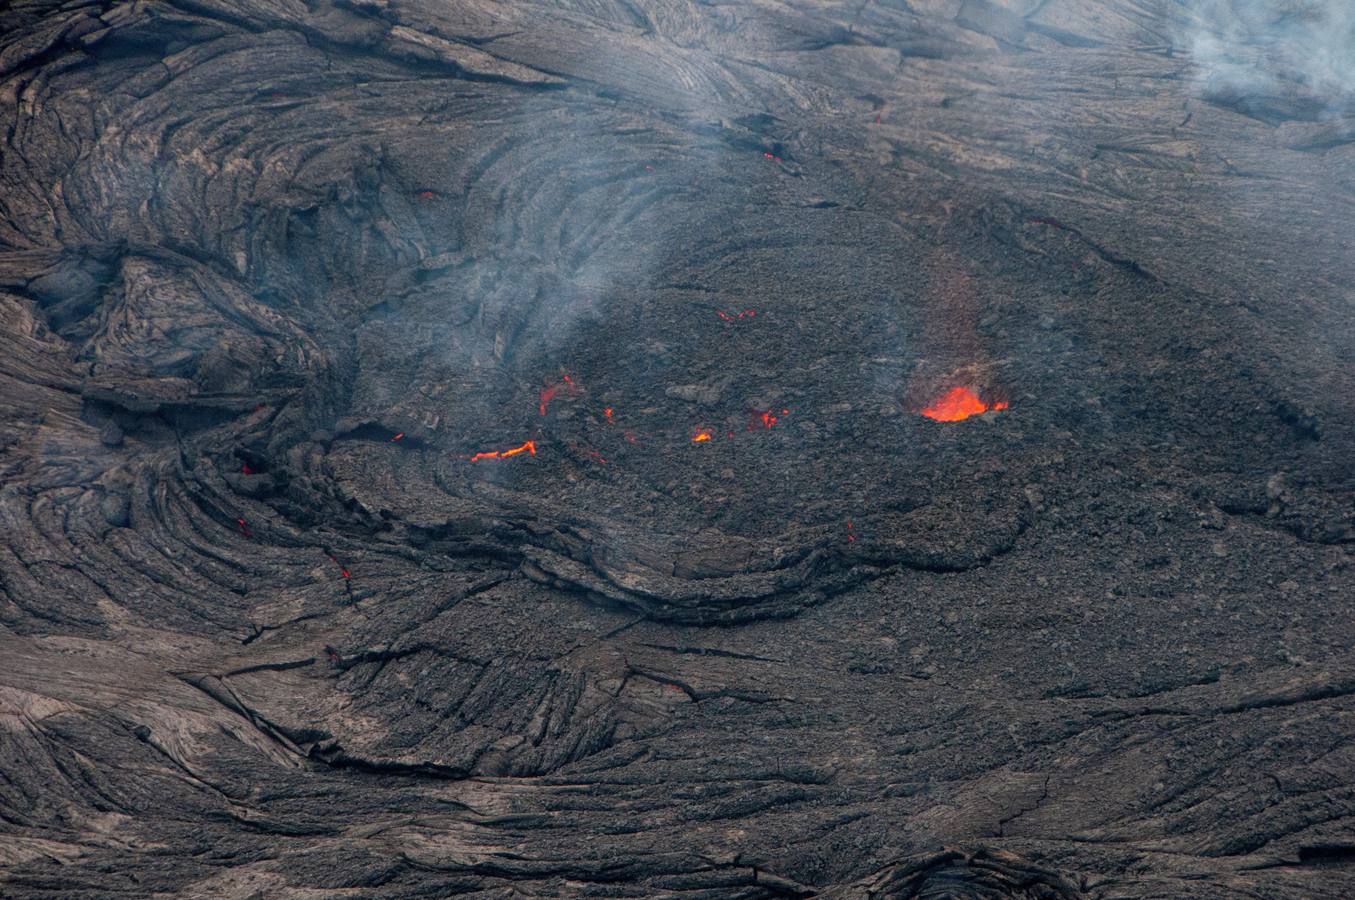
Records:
x=672, y=448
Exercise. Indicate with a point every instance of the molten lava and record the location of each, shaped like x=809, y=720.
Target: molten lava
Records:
x=701, y=436
x=244, y=528
x=548, y=393
x=398, y=437
x=764, y=418
x=526, y=447
x=959, y=403
x=342, y=568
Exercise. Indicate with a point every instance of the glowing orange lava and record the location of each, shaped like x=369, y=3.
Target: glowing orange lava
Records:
x=765, y=418
x=607, y=414
x=549, y=392
x=526, y=447
x=700, y=436
x=959, y=403
x=398, y=437
x=342, y=568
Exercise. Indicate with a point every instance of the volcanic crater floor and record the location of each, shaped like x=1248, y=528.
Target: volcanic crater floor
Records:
x=618, y=449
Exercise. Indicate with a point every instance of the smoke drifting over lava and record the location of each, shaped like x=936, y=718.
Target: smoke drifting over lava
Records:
x=658, y=448
x=1273, y=47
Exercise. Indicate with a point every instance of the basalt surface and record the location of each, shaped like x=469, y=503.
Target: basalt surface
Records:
x=477, y=447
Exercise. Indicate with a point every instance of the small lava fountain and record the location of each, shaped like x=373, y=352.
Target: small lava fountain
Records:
x=959, y=403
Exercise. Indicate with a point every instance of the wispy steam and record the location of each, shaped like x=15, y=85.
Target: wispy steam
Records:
x=1274, y=48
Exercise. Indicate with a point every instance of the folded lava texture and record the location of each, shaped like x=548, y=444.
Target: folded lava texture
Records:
x=630, y=448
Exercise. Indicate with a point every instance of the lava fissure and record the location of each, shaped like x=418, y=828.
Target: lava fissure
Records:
x=565, y=386
x=525, y=447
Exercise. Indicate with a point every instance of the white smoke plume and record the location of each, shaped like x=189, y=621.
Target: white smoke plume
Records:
x=1274, y=47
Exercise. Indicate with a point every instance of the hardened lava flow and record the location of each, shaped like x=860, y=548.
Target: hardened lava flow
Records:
x=655, y=448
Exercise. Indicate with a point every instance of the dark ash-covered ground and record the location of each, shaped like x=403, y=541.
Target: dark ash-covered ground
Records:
x=252, y=644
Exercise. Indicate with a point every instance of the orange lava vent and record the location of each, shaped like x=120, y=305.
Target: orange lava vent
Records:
x=959, y=403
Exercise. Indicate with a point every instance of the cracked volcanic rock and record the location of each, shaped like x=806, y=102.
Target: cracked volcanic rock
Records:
x=475, y=447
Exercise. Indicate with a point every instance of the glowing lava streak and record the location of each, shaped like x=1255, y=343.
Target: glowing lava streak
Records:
x=702, y=435
x=548, y=393
x=528, y=447
x=342, y=568
x=959, y=403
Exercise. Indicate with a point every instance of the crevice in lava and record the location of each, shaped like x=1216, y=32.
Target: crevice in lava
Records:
x=1115, y=259
x=221, y=692
x=271, y=667
x=712, y=651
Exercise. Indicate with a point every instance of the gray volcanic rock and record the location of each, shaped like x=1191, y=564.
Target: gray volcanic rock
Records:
x=517, y=449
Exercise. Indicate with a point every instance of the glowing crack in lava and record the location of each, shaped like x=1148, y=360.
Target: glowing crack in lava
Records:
x=701, y=436
x=959, y=403
x=342, y=568
x=549, y=392
x=526, y=447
